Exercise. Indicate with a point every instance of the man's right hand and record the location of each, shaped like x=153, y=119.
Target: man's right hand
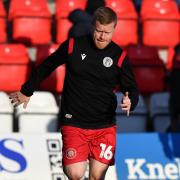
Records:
x=18, y=98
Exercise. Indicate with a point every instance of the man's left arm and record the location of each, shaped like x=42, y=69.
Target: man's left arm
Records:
x=128, y=85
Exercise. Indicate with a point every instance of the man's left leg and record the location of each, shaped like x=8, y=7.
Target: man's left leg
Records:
x=101, y=152
x=97, y=170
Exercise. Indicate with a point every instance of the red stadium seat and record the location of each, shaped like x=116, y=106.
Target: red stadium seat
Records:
x=123, y=8
x=63, y=8
x=126, y=30
x=55, y=81
x=63, y=26
x=160, y=21
x=2, y=23
x=14, y=66
x=31, y=21
x=148, y=69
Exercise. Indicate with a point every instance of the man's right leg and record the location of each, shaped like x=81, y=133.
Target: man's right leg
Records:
x=75, y=171
x=75, y=152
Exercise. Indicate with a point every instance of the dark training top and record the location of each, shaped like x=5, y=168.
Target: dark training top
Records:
x=88, y=99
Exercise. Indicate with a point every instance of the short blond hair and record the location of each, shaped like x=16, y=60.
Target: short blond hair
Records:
x=104, y=15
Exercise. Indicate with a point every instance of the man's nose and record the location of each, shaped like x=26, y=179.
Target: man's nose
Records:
x=102, y=35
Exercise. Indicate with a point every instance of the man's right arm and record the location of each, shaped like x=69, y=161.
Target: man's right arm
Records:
x=56, y=59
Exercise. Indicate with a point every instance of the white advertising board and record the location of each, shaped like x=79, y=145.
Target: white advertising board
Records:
x=33, y=157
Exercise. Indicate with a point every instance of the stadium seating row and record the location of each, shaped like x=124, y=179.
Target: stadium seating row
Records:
x=16, y=65
x=41, y=114
x=32, y=21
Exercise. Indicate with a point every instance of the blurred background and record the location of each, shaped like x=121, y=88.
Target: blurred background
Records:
x=149, y=30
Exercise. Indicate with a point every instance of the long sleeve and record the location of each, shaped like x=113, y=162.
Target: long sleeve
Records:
x=56, y=59
x=128, y=83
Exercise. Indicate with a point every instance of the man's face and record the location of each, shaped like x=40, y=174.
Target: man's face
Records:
x=102, y=34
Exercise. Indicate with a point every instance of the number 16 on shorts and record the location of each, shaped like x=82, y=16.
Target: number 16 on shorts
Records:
x=106, y=151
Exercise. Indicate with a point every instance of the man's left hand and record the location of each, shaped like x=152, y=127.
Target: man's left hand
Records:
x=126, y=103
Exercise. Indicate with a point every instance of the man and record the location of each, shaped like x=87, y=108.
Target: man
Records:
x=94, y=66
x=174, y=100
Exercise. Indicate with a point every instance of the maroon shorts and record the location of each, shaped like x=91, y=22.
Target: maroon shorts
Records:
x=81, y=144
